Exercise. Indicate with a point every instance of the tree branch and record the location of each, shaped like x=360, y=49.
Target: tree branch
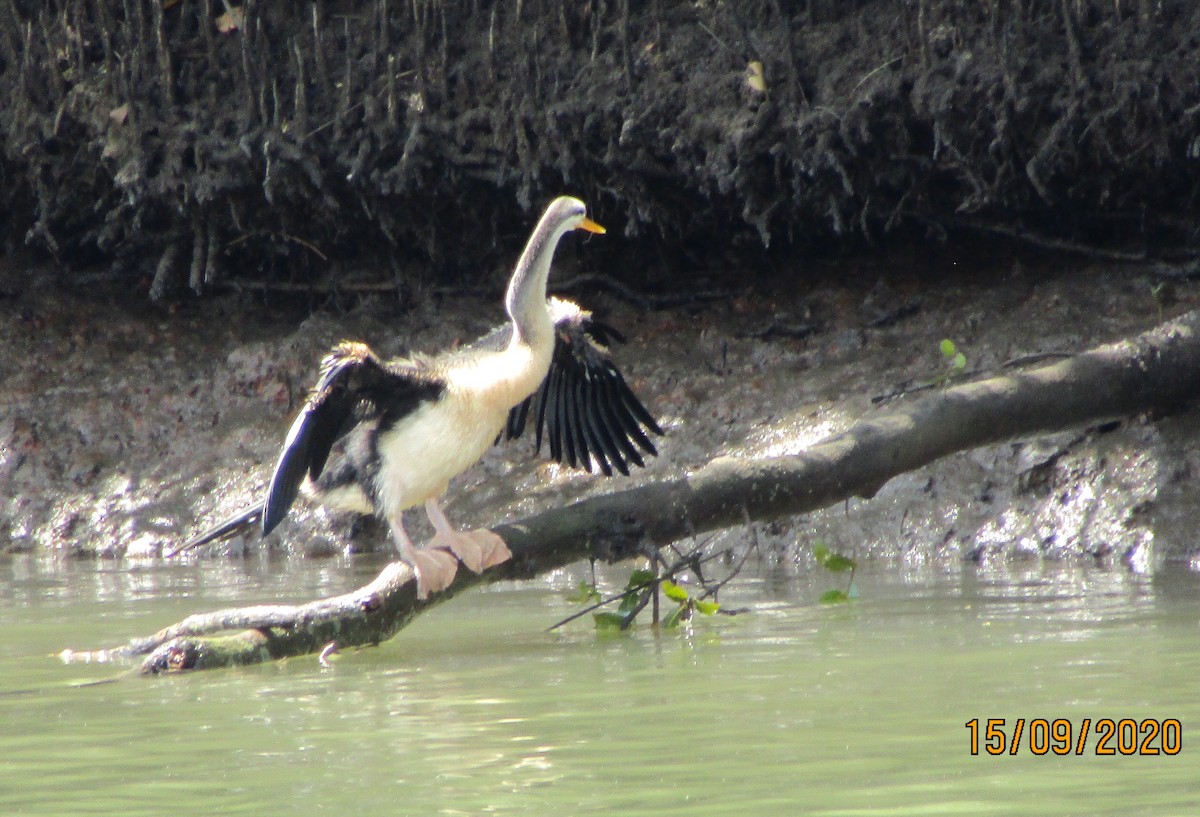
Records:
x=1158, y=369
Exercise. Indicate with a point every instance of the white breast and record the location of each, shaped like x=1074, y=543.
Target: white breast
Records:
x=423, y=452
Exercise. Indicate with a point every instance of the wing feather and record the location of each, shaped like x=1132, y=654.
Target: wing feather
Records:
x=600, y=427
x=634, y=405
x=539, y=417
x=626, y=431
x=580, y=424
x=566, y=422
x=583, y=427
x=518, y=417
x=585, y=408
x=553, y=420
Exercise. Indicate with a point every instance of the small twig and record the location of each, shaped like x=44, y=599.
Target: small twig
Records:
x=713, y=34
x=696, y=564
x=669, y=574
x=313, y=288
x=647, y=594
x=903, y=391
x=591, y=607
x=654, y=596
x=1048, y=243
x=892, y=316
x=780, y=329
x=1182, y=271
x=285, y=236
x=1035, y=357
x=330, y=123
x=873, y=72
x=378, y=95
x=691, y=556
x=716, y=588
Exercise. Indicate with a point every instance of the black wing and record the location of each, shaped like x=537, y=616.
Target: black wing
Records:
x=586, y=409
x=354, y=386
x=240, y=524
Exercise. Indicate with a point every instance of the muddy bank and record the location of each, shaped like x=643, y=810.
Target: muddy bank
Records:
x=179, y=145
x=124, y=430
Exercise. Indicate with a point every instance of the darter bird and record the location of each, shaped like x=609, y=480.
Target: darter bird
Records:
x=380, y=437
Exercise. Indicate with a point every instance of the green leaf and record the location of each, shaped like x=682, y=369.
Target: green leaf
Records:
x=837, y=563
x=608, y=621
x=959, y=362
x=708, y=608
x=949, y=350
x=583, y=594
x=628, y=602
x=673, y=591
x=833, y=562
x=639, y=577
x=833, y=597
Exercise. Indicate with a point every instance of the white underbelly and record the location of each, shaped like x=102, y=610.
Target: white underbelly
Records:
x=422, y=453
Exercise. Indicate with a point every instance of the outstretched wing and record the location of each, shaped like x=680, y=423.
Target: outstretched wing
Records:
x=584, y=406
x=354, y=386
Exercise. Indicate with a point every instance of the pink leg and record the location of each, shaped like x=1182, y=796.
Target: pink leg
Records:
x=435, y=569
x=478, y=549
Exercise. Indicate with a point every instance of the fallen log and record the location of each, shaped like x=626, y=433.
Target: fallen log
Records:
x=1158, y=370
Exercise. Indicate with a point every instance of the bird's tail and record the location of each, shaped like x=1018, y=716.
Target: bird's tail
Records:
x=240, y=524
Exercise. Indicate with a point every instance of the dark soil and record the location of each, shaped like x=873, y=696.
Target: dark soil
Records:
x=421, y=137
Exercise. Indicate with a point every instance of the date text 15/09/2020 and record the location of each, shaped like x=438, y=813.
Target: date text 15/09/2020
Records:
x=1061, y=736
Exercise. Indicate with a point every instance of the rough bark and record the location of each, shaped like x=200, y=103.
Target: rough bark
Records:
x=1157, y=370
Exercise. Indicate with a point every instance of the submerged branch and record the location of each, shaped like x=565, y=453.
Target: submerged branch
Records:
x=1158, y=369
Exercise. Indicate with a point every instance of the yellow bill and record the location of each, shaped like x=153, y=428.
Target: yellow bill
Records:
x=591, y=227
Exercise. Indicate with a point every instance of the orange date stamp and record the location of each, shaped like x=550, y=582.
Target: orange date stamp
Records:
x=1062, y=736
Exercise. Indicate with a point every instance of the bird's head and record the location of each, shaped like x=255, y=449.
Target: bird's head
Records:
x=569, y=213
x=526, y=296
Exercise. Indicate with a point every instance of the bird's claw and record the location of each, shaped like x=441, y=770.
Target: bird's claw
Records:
x=477, y=549
x=435, y=569
x=437, y=565
x=495, y=549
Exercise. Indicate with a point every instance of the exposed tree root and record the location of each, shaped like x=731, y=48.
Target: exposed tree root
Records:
x=377, y=134
x=1157, y=370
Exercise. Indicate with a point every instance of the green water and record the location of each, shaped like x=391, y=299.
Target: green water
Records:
x=791, y=708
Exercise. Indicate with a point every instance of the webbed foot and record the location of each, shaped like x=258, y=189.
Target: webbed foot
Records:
x=435, y=569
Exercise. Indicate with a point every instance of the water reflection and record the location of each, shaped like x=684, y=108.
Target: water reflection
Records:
x=791, y=707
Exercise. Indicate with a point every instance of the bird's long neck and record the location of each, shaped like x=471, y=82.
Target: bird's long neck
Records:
x=525, y=300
